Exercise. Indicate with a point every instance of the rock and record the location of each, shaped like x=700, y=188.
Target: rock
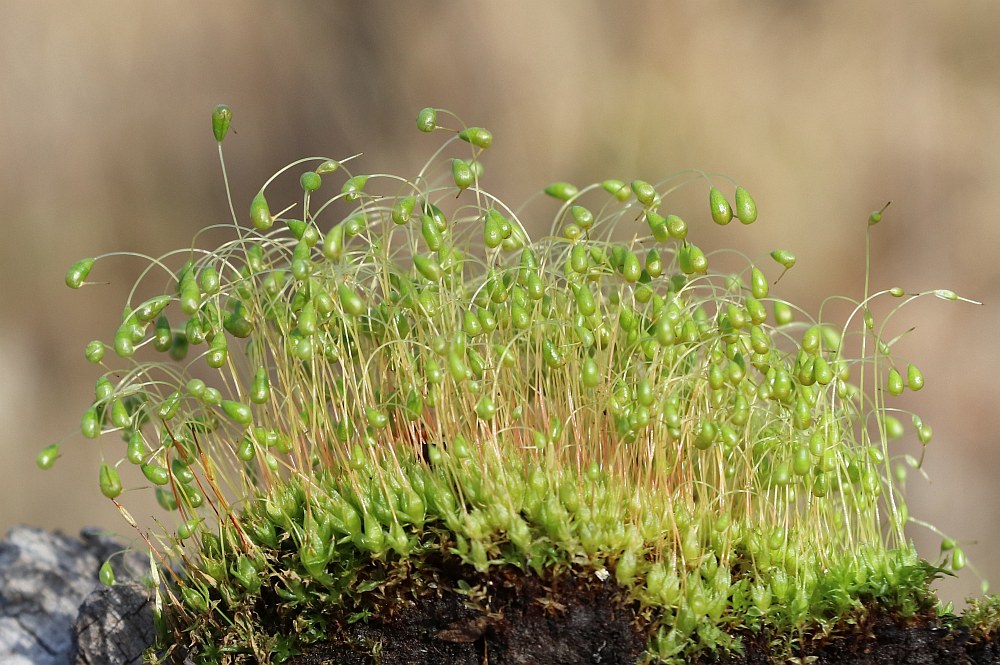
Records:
x=115, y=625
x=44, y=578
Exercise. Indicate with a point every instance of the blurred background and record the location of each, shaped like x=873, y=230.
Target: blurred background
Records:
x=823, y=111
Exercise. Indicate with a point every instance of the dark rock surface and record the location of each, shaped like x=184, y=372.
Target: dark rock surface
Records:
x=45, y=577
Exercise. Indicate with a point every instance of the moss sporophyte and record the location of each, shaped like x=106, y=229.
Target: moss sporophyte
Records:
x=398, y=372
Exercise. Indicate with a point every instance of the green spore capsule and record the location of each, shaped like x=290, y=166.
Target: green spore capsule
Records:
x=260, y=390
x=462, y=174
x=645, y=193
x=758, y=283
x=477, y=136
x=486, y=408
x=120, y=416
x=354, y=187
x=583, y=217
x=218, y=351
x=106, y=574
x=876, y=216
x=111, y=484
x=894, y=384
x=722, y=213
x=914, y=379
x=78, y=272
x=47, y=456
x=90, y=423
x=329, y=166
x=169, y=406
x=350, y=300
x=402, y=210
x=310, y=181
x=958, y=559
x=427, y=120
x=427, y=267
x=431, y=233
x=94, y=352
x=783, y=257
x=676, y=227
x=260, y=213
x=617, y=188
x=239, y=412
x=692, y=260
x=563, y=191
x=135, y=451
x=746, y=208
x=782, y=313
x=333, y=243
x=155, y=473
x=222, y=117
x=150, y=309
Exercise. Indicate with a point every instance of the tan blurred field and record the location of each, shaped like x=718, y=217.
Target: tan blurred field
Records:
x=823, y=110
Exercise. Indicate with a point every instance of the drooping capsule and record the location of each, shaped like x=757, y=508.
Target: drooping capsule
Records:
x=746, y=208
x=260, y=213
x=78, y=272
x=427, y=119
x=722, y=213
x=111, y=484
x=644, y=192
x=477, y=136
x=563, y=191
x=238, y=411
x=47, y=456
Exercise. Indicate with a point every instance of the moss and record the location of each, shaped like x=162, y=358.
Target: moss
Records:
x=420, y=386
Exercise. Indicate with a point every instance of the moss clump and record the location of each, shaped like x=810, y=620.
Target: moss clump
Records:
x=400, y=374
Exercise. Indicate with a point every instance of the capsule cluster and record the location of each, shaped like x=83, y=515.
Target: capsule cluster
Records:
x=399, y=365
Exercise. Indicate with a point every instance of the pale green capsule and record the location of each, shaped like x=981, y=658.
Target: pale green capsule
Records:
x=260, y=213
x=94, y=352
x=645, y=193
x=676, y=227
x=783, y=257
x=402, y=210
x=90, y=424
x=260, y=390
x=427, y=120
x=78, y=272
x=106, y=574
x=237, y=411
x=428, y=267
x=222, y=116
x=894, y=383
x=758, y=283
x=354, y=187
x=310, y=181
x=563, y=191
x=350, y=300
x=155, y=473
x=617, y=188
x=477, y=136
x=329, y=166
x=333, y=244
x=746, y=208
x=722, y=213
x=110, y=483
x=47, y=456
x=461, y=173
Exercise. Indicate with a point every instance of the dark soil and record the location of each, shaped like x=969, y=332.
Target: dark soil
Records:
x=510, y=617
